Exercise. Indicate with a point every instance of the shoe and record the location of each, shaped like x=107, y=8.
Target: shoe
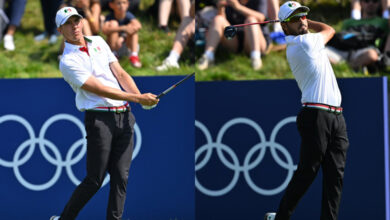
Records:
x=54, y=217
x=205, y=62
x=270, y=216
x=40, y=37
x=52, y=39
x=165, y=28
x=134, y=60
x=9, y=42
x=168, y=64
x=256, y=63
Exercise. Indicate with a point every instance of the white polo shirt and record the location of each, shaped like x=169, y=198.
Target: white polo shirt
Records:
x=313, y=72
x=76, y=67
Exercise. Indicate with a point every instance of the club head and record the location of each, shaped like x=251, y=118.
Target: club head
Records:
x=230, y=32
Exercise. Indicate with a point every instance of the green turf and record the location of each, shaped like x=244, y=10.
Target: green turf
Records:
x=39, y=60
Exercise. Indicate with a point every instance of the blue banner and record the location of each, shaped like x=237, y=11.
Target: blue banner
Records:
x=42, y=152
x=247, y=148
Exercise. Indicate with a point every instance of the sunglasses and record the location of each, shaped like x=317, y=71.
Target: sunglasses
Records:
x=296, y=17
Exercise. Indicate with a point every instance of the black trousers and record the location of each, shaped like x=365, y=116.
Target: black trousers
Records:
x=49, y=9
x=324, y=144
x=109, y=149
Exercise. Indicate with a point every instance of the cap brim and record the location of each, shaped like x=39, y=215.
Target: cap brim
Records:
x=303, y=8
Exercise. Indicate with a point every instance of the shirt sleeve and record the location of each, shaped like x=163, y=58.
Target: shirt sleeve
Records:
x=111, y=57
x=130, y=16
x=73, y=72
x=109, y=17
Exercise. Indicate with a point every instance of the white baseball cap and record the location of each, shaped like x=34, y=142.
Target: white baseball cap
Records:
x=64, y=14
x=288, y=8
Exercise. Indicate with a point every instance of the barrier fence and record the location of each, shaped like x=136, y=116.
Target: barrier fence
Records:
x=227, y=155
x=247, y=147
x=42, y=152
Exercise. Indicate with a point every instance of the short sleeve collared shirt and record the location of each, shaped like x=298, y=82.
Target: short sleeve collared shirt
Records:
x=77, y=66
x=313, y=72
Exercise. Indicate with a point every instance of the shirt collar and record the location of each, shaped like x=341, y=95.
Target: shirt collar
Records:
x=73, y=47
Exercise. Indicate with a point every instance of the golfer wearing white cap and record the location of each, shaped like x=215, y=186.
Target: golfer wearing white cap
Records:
x=95, y=75
x=320, y=122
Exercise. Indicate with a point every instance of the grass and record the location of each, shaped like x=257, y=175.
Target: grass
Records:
x=231, y=66
x=39, y=60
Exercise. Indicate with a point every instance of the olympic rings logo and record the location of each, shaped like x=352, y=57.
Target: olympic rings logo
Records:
x=247, y=165
x=57, y=160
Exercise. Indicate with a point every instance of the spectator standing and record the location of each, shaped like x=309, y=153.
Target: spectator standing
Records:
x=49, y=8
x=14, y=11
x=164, y=10
x=121, y=27
x=184, y=33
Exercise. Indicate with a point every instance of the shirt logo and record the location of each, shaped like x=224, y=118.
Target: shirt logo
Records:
x=292, y=4
x=97, y=49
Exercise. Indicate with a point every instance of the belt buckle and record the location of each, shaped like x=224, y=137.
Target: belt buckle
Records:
x=120, y=109
x=112, y=109
x=330, y=109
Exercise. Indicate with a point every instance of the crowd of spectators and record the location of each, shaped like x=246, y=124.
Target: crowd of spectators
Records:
x=363, y=42
x=113, y=19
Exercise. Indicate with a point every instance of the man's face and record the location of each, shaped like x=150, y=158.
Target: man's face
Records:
x=370, y=7
x=72, y=29
x=119, y=6
x=296, y=25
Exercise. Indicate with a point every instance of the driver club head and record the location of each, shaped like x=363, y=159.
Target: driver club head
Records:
x=230, y=32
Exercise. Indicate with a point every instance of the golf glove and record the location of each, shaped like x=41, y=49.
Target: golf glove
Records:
x=147, y=107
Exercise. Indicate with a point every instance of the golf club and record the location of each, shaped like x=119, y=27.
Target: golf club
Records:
x=231, y=31
x=174, y=85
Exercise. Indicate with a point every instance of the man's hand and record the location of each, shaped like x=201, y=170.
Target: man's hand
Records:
x=147, y=99
x=132, y=27
x=84, y=4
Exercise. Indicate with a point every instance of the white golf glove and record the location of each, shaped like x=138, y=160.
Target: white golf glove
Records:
x=148, y=107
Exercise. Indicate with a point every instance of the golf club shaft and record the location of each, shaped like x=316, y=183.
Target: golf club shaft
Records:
x=174, y=86
x=264, y=22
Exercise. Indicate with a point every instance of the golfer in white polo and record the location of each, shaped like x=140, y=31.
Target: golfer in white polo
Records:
x=321, y=124
x=93, y=72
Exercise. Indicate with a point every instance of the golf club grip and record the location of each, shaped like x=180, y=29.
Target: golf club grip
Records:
x=165, y=92
x=174, y=86
x=264, y=22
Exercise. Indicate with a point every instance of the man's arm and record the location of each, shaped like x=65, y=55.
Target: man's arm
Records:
x=123, y=78
x=95, y=19
x=109, y=28
x=93, y=85
x=245, y=10
x=133, y=26
x=221, y=6
x=326, y=30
